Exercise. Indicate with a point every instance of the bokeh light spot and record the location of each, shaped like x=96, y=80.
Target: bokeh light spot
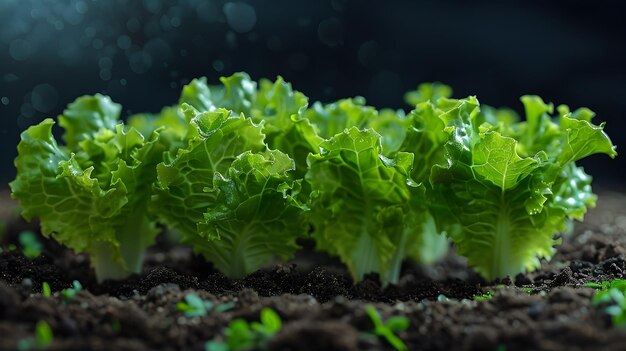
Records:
x=43, y=98
x=123, y=42
x=10, y=77
x=207, y=11
x=140, y=62
x=158, y=47
x=5, y=101
x=105, y=63
x=105, y=74
x=153, y=6
x=368, y=54
x=81, y=7
x=218, y=65
x=330, y=32
x=97, y=44
x=20, y=49
x=27, y=110
x=240, y=16
x=231, y=39
x=133, y=25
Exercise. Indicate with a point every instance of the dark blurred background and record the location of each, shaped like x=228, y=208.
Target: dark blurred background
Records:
x=142, y=52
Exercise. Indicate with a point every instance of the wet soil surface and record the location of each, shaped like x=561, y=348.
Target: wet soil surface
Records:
x=320, y=307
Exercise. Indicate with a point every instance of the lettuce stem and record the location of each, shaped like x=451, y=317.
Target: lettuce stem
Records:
x=133, y=237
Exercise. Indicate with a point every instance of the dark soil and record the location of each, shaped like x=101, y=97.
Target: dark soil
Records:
x=320, y=307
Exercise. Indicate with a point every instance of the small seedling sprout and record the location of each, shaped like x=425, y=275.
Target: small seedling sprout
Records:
x=31, y=247
x=606, y=284
x=42, y=340
x=483, y=297
x=611, y=295
x=388, y=329
x=43, y=335
x=70, y=293
x=194, y=306
x=45, y=289
x=241, y=335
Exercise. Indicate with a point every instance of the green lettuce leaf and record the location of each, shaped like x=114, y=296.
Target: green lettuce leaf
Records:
x=363, y=204
x=170, y=123
x=427, y=92
x=276, y=105
x=185, y=188
x=228, y=195
x=425, y=138
x=334, y=118
x=87, y=116
x=256, y=216
x=392, y=127
x=503, y=193
x=92, y=194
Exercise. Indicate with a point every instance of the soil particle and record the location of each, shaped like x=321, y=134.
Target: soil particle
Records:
x=9, y=300
x=480, y=339
x=315, y=336
x=563, y=278
x=247, y=297
x=164, y=274
x=161, y=290
x=28, y=275
x=324, y=285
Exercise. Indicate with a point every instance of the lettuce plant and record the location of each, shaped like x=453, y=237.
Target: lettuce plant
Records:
x=364, y=206
x=232, y=199
x=242, y=169
x=504, y=190
x=92, y=193
x=293, y=128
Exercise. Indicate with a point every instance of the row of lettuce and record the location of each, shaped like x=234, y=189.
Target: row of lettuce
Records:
x=243, y=170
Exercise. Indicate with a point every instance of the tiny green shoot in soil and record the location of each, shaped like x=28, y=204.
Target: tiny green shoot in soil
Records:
x=45, y=289
x=388, y=329
x=31, y=247
x=611, y=297
x=70, y=293
x=194, y=306
x=242, y=335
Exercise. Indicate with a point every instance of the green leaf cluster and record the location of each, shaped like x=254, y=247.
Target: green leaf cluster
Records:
x=231, y=197
x=244, y=169
x=91, y=194
x=506, y=189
